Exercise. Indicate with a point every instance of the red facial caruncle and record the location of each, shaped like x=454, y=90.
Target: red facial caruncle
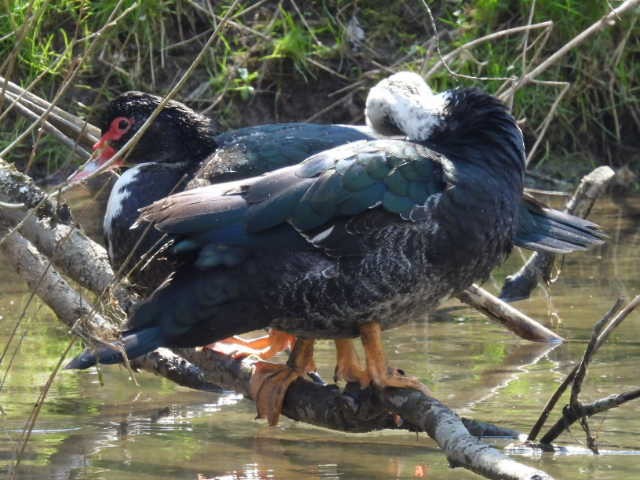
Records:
x=119, y=126
x=104, y=149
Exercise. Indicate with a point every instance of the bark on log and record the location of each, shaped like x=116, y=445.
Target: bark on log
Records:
x=356, y=410
x=55, y=235
x=520, y=285
x=49, y=285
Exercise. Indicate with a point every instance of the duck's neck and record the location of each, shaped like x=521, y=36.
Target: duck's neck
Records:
x=198, y=138
x=138, y=187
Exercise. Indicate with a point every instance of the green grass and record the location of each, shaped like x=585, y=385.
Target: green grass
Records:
x=272, y=63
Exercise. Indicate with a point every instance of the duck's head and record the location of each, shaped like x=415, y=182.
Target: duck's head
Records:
x=403, y=104
x=461, y=119
x=177, y=135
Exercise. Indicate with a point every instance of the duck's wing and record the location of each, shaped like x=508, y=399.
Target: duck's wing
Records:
x=316, y=204
x=252, y=151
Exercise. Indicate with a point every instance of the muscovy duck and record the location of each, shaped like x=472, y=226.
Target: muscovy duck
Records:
x=351, y=241
x=182, y=150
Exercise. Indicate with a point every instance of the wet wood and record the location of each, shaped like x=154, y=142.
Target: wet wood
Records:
x=508, y=316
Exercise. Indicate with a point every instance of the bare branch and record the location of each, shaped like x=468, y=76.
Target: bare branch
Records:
x=508, y=316
x=575, y=410
x=49, y=285
x=444, y=59
x=356, y=410
x=67, y=82
x=553, y=400
x=547, y=119
x=61, y=119
x=53, y=233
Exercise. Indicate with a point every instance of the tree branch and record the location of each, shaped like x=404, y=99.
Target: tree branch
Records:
x=606, y=21
x=50, y=228
x=508, y=316
x=356, y=410
x=576, y=410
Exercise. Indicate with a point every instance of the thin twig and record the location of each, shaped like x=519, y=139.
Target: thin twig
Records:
x=127, y=147
x=444, y=59
x=606, y=21
x=575, y=410
x=75, y=69
x=548, y=117
x=74, y=146
x=553, y=400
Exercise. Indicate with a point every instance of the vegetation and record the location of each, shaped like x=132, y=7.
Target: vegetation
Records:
x=276, y=62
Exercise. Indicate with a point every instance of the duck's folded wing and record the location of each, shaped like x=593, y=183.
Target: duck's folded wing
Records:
x=252, y=151
x=544, y=229
x=306, y=205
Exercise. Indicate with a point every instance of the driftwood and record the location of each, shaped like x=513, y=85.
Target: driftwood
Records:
x=539, y=265
x=351, y=410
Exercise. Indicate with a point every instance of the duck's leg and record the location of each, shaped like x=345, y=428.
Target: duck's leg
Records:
x=348, y=366
x=377, y=369
x=270, y=381
x=263, y=347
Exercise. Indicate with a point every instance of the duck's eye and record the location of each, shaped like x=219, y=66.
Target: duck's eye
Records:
x=120, y=126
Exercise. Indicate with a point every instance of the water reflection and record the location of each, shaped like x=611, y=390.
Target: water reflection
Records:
x=119, y=431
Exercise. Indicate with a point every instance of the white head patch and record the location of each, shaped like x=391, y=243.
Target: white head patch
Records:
x=406, y=102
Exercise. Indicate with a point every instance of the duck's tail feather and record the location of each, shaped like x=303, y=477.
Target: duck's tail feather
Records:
x=134, y=344
x=544, y=229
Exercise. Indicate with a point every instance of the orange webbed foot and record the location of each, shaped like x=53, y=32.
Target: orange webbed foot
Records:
x=270, y=382
x=269, y=385
x=263, y=347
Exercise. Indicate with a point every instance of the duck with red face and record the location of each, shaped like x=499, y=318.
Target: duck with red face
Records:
x=181, y=149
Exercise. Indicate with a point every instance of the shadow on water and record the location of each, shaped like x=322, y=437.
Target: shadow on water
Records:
x=118, y=431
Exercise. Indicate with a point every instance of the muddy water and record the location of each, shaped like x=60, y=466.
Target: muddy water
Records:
x=109, y=428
